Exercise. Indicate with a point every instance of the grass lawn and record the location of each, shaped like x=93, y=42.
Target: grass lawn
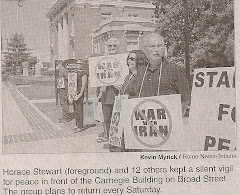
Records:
x=35, y=92
x=29, y=80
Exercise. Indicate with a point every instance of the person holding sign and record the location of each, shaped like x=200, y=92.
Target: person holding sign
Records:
x=107, y=95
x=160, y=76
x=135, y=59
x=78, y=99
x=62, y=85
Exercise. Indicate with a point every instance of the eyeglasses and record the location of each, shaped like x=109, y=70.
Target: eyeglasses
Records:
x=112, y=46
x=155, y=46
x=131, y=58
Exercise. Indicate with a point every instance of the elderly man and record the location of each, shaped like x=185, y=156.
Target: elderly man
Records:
x=112, y=46
x=159, y=76
x=107, y=94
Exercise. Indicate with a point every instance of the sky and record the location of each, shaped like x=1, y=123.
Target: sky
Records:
x=32, y=23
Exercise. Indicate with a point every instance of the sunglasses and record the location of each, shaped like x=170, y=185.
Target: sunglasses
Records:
x=131, y=58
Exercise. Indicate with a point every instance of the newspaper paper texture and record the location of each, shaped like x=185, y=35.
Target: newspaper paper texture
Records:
x=156, y=109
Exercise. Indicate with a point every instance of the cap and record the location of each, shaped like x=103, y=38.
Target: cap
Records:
x=69, y=61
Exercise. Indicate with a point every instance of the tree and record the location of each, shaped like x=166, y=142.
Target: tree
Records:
x=17, y=52
x=32, y=61
x=211, y=29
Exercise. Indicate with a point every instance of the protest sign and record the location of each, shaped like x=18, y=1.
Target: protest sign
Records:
x=153, y=123
x=116, y=127
x=60, y=83
x=72, y=85
x=107, y=70
x=97, y=111
x=212, y=113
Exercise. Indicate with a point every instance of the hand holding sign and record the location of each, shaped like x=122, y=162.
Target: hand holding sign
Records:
x=103, y=88
x=77, y=97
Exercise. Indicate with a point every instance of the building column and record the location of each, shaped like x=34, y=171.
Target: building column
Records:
x=72, y=35
x=52, y=51
x=65, y=35
x=53, y=41
x=60, y=39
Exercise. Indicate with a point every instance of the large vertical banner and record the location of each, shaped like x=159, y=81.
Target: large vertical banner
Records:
x=108, y=70
x=153, y=123
x=212, y=114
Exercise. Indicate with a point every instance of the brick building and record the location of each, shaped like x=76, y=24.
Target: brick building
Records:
x=81, y=27
x=130, y=31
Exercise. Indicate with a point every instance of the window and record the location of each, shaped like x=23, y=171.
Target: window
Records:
x=132, y=46
x=96, y=47
x=132, y=39
x=106, y=15
x=133, y=15
x=155, y=20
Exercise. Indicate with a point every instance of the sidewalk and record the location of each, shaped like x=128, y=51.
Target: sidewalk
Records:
x=31, y=127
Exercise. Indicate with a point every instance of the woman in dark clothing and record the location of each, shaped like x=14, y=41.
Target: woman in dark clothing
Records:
x=135, y=60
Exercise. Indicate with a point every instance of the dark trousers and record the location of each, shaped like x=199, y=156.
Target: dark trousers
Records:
x=107, y=114
x=64, y=102
x=78, y=112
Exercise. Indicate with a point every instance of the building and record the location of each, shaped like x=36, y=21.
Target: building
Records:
x=130, y=31
x=79, y=28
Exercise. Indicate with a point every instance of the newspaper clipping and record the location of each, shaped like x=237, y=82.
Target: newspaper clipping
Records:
x=119, y=97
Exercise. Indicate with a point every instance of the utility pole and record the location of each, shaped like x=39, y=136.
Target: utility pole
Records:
x=10, y=56
x=186, y=34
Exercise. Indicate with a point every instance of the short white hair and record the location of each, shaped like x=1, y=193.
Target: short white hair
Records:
x=113, y=40
x=153, y=35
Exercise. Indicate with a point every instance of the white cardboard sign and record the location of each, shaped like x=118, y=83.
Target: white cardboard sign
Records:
x=212, y=112
x=116, y=127
x=153, y=123
x=72, y=85
x=108, y=70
